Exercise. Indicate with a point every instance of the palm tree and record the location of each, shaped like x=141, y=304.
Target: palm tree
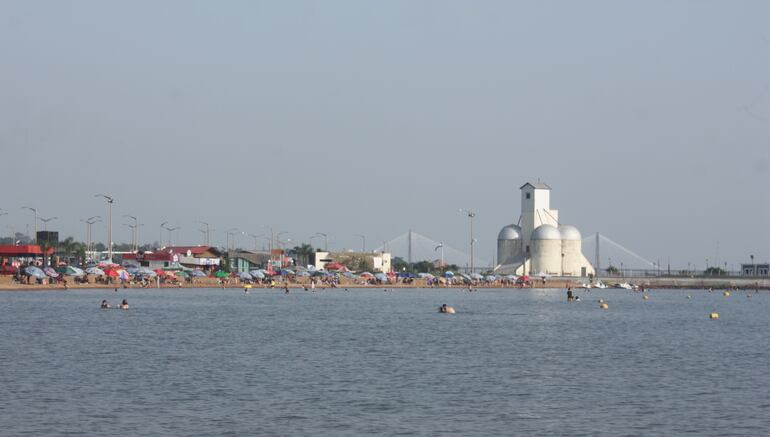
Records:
x=302, y=253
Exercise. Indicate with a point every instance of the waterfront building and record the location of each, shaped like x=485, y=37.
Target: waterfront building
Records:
x=539, y=243
x=755, y=269
x=355, y=261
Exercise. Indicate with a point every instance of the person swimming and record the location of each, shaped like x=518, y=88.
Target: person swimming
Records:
x=124, y=305
x=105, y=305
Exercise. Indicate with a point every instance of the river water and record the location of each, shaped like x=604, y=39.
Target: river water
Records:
x=336, y=362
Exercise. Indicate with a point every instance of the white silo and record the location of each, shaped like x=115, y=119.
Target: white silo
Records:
x=571, y=242
x=546, y=250
x=508, y=244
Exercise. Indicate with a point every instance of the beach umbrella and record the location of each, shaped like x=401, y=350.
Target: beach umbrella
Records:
x=182, y=273
x=475, y=276
x=425, y=275
x=366, y=275
x=198, y=273
x=381, y=277
x=34, y=271
x=466, y=277
x=111, y=273
x=146, y=271
x=318, y=273
x=71, y=271
x=132, y=268
x=257, y=274
x=51, y=272
x=305, y=273
x=285, y=272
x=221, y=274
x=95, y=271
x=348, y=275
x=448, y=274
x=490, y=278
x=245, y=276
x=511, y=277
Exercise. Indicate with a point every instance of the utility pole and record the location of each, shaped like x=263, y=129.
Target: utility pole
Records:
x=110, y=200
x=471, y=216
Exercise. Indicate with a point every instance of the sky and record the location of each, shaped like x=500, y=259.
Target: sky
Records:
x=650, y=120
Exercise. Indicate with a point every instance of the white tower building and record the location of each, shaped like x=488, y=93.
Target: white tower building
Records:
x=540, y=244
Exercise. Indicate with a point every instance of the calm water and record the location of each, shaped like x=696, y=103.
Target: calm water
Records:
x=214, y=362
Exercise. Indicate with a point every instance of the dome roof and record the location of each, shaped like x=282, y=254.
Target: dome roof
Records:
x=510, y=232
x=546, y=232
x=569, y=232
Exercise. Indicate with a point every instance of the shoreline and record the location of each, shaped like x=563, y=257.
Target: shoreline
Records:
x=649, y=283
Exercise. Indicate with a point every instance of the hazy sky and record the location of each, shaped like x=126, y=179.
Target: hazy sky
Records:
x=650, y=120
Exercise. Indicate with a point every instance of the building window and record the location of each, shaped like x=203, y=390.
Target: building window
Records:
x=528, y=195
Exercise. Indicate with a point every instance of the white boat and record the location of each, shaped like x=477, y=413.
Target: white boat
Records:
x=623, y=285
x=598, y=284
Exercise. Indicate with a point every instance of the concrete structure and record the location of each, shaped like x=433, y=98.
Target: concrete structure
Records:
x=539, y=243
x=354, y=261
x=755, y=269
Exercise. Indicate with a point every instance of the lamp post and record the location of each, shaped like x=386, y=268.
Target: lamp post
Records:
x=753, y=267
x=134, y=230
x=45, y=222
x=231, y=233
x=110, y=200
x=471, y=216
x=160, y=235
x=89, y=222
x=34, y=211
x=255, y=237
x=206, y=233
x=440, y=246
x=170, y=230
x=363, y=243
x=326, y=240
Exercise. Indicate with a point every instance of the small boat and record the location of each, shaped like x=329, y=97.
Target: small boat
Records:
x=623, y=285
x=599, y=284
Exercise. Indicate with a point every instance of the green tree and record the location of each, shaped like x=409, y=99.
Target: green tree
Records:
x=714, y=271
x=612, y=270
x=301, y=253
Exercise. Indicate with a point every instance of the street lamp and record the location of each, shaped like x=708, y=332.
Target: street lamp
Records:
x=256, y=237
x=34, y=219
x=440, y=246
x=109, y=223
x=89, y=222
x=170, y=230
x=326, y=240
x=231, y=232
x=160, y=235
x=363, y=244
x=134, y=230
x=206, y=233
x=471, y=216
x=753, y=267
x=45, y=221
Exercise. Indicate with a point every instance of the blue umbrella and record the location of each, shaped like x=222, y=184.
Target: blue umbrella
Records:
x=448, y=274
x=146, y=271
x=381, y=277
x=257, y=274
x=305, y=273
x=285, y=272
x=348, y=275
x=34, y=271
x=198, y=273
x=245, y=276
x=491, y=278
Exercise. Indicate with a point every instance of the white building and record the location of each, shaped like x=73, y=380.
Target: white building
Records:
x=539, y=243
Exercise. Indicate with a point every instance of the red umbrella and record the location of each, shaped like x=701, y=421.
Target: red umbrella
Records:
x=111, y=273
x=334, y=266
